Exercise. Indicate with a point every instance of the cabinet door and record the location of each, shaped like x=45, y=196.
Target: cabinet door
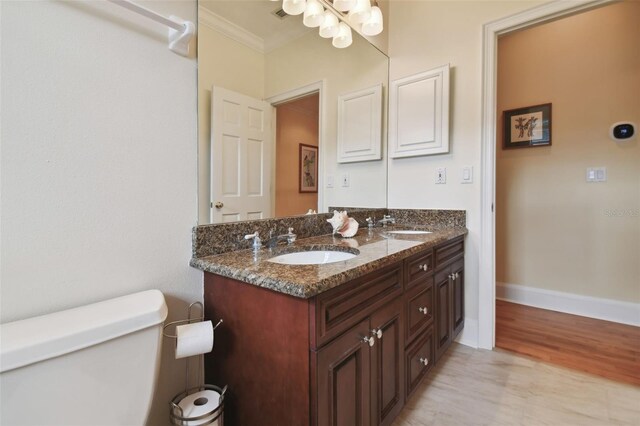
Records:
x=457, y=271
x=443, y=311
x=387, y=372
x=344, y=371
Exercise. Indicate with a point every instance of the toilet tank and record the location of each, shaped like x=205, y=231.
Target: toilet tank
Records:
x=92, y=365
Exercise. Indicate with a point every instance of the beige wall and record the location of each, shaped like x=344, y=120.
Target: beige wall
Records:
x=554, y=230
x=295, y=125
x=424, y=35
x=234, y=66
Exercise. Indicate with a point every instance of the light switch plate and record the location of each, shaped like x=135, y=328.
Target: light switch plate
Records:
x=329, y=181
x=345, y=180
x=441, y=175
x=596, y=174
x=467, y=174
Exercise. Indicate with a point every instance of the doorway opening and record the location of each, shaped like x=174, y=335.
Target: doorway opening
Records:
x=566, y=268
x=296, y=155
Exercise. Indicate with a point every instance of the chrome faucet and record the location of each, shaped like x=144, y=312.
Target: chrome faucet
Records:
x=387, y=219
x=257, y=242
x=289, y=236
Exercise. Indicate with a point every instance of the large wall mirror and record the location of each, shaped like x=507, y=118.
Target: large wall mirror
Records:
x=268, y=94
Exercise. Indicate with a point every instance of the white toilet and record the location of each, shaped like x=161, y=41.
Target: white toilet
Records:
x=92, y=365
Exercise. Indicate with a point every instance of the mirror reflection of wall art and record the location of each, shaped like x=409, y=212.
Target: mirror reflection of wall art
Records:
x=526, y=127
x=308, y=168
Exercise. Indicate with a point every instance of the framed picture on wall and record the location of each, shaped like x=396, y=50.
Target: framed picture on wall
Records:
x=308, y=166
x=527, y=127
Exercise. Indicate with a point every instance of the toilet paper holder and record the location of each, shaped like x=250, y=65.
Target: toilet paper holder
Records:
x=176, y=414
x=189, y=320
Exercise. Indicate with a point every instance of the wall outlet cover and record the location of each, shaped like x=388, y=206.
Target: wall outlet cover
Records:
x=441, y=175
x=345, y=180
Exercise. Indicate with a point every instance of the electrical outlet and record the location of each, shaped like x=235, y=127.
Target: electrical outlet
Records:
x=441, y=175
x=345, y=180
x=329, y=181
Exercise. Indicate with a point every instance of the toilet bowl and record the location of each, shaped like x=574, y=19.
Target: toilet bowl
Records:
x=92, y=365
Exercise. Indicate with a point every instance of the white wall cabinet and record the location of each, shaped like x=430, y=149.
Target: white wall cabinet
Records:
x=360, y=125
x=419, y=114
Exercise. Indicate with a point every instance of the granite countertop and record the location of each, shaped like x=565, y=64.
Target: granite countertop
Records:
x=375, y=248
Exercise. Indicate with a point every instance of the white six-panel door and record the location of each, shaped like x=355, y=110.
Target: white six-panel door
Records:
x=240, y=157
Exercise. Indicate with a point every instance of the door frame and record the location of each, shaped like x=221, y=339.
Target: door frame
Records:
x=290, y=95
x=487, y=255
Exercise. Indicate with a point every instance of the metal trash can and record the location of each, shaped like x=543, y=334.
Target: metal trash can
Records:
x=199, y=406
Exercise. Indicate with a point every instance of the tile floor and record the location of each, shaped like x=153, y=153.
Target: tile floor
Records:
x=479, y=387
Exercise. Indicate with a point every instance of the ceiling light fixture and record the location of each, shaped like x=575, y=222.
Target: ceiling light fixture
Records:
x=336, y=17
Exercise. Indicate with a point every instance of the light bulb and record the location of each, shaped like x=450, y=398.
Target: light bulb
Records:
x=343, y=38
x=313, y=14
x=343, y=5
x=329, y=26
x=360, y=12
x=373, y=26
x=294, y=7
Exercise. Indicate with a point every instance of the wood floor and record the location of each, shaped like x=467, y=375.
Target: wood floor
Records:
x=474, y=387
x=594, y=346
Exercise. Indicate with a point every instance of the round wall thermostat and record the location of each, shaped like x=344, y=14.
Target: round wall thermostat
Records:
x=622, y=131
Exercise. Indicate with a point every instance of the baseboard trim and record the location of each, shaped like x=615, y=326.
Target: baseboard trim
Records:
x=586, y=306
x=469, y=334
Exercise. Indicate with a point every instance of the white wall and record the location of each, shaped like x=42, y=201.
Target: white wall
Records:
x=98, y=162
x=424, y=35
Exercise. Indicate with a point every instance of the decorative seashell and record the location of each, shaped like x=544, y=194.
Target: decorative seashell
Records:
x=338, y=220
x=349, y=229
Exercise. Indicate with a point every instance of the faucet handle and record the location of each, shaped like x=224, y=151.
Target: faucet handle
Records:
x=370, y=222
x=257, y=243
x=291, y=237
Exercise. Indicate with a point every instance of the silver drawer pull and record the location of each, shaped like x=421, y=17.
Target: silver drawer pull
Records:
x=424, y=310
x=377, y=333
x=424, y=361
x=369, y=340
x=424, y=267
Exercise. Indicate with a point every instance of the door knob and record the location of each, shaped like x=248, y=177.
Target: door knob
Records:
x=219, y=205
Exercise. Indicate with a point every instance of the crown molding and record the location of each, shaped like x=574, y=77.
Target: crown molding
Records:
x=229, y=29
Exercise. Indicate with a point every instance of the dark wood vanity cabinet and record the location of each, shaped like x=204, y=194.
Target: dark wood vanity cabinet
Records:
x=449, y=294
x=349, y=356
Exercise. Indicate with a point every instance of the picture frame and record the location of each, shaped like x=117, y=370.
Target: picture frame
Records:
x=308, y=168
x=527, y=127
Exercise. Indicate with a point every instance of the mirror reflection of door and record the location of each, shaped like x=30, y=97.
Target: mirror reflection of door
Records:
x=241, y=160
x=296, y=123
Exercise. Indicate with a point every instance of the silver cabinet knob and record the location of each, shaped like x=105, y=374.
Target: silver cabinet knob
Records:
x=424, y=267
x=377, y=333
x=424, y=361
x=219, y=205
x=452, y=277
x=424, y=310
x=457, y=275
x=369, y=340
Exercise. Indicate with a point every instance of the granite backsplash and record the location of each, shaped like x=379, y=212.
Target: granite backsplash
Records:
x=225, y=237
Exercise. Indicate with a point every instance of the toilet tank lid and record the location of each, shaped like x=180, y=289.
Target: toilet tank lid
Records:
x=36, y=339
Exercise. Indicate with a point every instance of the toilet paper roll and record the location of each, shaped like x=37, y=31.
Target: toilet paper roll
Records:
x=194, y=339
x=198, y=404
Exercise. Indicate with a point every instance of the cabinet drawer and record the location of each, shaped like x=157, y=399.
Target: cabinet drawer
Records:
x=418, y=267
x=446, y=253
x=338, y=309
x=419, y=299
x=416, y=356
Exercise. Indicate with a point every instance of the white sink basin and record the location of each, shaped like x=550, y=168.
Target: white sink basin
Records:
x=409, y=232
x=315, y=257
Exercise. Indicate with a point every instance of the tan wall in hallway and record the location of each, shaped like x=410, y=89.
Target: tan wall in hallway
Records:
x=554, y=230
x=295, y=125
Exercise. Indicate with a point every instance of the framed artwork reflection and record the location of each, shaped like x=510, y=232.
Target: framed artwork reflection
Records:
x=527, y=127
x=308, y=166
